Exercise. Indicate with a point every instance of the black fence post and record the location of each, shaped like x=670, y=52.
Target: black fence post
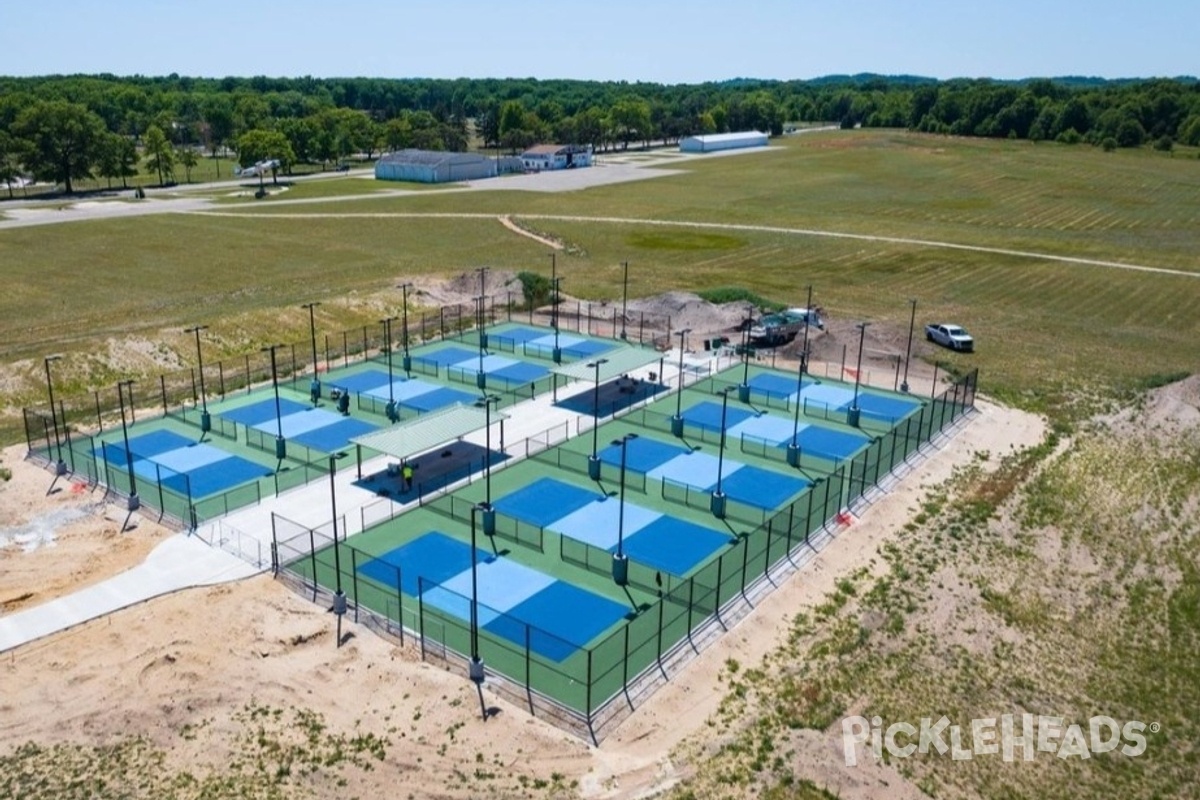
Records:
x=312, y=550
x=625, y=668
x=400, y=603
x=99, y=420
x=162, y=388
x=528, y=669
x=661, y=605
x=353, y=574
x=247, y=373
x=421, y=616
x=221, y=377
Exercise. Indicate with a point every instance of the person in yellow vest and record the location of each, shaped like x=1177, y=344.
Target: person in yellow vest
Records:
x=407, y=472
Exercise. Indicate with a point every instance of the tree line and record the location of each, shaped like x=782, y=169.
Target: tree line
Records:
x=64, y=128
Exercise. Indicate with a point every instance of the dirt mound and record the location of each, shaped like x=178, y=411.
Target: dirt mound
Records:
x=461, y=288
x=688, y=310
x=1175, y=408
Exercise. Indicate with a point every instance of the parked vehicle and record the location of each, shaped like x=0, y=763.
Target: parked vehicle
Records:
x=954, y=337
x=776, y=329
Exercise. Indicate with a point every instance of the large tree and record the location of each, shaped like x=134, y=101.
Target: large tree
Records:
x=187, y=157
x=9, y=166
x=263, y=145
x=62, y=140
x=159, y=156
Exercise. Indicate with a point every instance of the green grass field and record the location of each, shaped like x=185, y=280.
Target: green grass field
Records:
x=1043, y=326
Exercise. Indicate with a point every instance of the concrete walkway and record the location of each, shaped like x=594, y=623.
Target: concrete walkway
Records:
x=180, y=562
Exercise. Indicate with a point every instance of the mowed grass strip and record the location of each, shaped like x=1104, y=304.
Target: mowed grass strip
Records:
x=76, y=282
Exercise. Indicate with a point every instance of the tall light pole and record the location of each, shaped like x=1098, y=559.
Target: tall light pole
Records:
x=489, y=515
x=557, y=354
x=744, y=389
x=620, y=566
x=60, y=466
x=718, y=497
x=793, y=451
x=807, y=323
x=677, y=420
x=624, y=297
x=908, y=350
x=205, y=418
x=481, y=323
x=407, y=358
x=315, y=386
x=854, y=414
x=339, y=597
x=476, y=667
x=594, y=459
x=280, y=442
x=390, y=409
x=134, y=502
x=554, y=287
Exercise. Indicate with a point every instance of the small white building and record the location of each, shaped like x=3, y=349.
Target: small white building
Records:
x=557, y=156
x=712, y=142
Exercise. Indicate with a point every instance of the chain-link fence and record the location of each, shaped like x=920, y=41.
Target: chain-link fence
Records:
x=584, y=691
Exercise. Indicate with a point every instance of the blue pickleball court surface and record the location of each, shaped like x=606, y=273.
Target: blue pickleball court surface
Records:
x=514, y=600
x=183, y=466
x=448, y=356
x=642, y=454
x=673, y=545
x=708, y=415
x=190, y=457
x=363, y=382
x=216, y=477
x=255, y=414
x=402, y=391
x=520, y=372
x=823, y=395
x=438, y=398
x=761, y=488
x=516, y=336
x=333, y=436
x=564, y=618
x=889, y=409
x=146, y=445
x=597, y=523
x=767, y=428
x=544, y=501
x=775, y=385
x=828, y=443
x=695, y=469
x=433, y=557
x=303, y=421
x=587, y=348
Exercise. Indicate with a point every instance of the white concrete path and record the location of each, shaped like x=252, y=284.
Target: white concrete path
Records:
x=179, y=562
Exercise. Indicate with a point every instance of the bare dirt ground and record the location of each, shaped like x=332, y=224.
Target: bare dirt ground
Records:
x=218, y=682
x=58, y=536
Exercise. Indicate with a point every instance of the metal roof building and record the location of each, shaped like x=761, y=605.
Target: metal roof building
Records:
x=557, y=156
x=722, y=141
x=431, y=166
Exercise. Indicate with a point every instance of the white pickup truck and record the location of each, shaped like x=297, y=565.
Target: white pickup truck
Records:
x=951, y=336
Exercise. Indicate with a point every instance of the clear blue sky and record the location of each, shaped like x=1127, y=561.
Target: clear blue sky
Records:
x=652, y=40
